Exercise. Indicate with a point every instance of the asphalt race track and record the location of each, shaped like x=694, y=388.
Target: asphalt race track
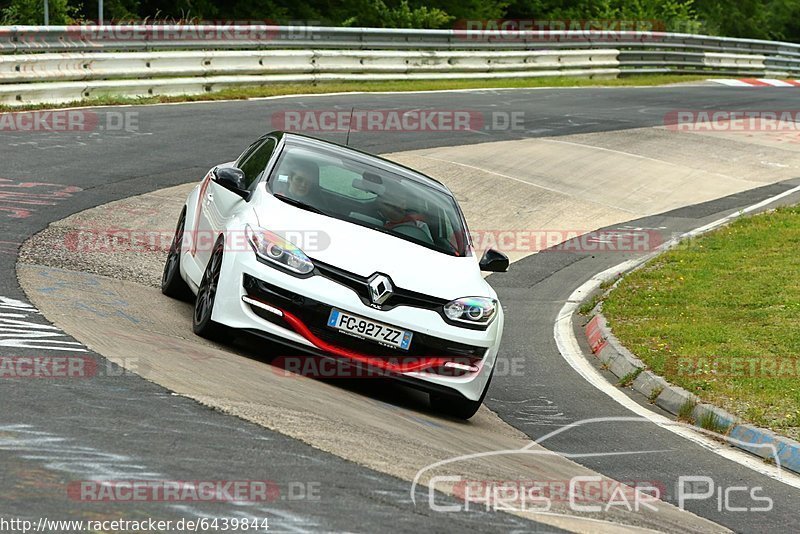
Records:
x=119, y=426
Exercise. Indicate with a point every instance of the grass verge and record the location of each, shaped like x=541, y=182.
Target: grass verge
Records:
x=711, y=422
x=240, y=93
x=720, y=317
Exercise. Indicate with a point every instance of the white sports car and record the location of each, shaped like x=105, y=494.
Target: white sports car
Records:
x=343, y=255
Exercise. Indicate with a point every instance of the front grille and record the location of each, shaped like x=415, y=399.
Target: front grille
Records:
x=359, y=284
x=315, y=316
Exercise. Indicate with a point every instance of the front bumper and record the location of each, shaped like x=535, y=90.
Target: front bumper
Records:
x=442, y=358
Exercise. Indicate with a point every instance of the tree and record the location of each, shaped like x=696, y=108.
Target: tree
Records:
x=756, y=19
x=671, y=15
x=375, y=13
x=31, y=12
x=113, y=10
x=210, y=10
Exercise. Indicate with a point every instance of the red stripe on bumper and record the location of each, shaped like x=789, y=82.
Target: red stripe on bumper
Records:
x=417, y=364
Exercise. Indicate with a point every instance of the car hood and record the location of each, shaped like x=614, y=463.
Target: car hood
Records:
x=364, y=251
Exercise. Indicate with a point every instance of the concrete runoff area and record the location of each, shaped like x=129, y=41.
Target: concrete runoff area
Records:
x=121, y=320
x=108, y=301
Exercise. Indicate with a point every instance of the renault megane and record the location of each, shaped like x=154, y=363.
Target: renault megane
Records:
x=343, y=255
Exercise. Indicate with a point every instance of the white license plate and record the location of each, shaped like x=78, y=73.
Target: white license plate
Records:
x=369, y=329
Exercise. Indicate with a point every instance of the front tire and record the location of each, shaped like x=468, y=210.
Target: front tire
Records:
x=172, y=284
x=202, y=325
x=457, y=406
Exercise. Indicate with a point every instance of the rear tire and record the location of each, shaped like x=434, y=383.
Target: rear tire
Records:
x=172, y=284
x=457, y=406
x=202, y=325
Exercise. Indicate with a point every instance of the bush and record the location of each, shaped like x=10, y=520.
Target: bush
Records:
x=31, y=12
x=376, y=14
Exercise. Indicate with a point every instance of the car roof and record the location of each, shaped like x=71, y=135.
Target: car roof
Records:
x=364, y=157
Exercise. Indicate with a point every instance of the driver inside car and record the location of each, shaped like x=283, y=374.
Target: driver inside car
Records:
x=299, y=180
x=303, y=181
x=393, y=210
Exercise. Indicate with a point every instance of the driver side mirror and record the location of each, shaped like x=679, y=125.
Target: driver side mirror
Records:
x=232, y=179
x=494, y=261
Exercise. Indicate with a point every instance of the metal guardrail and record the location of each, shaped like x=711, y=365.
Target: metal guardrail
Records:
x=108, y=65
x=66, y=63
x=221, y=37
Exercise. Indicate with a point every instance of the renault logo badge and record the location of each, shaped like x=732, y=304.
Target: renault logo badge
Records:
x=380, y=288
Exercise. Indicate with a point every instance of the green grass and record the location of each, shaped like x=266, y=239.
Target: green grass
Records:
x=588, y=305
x=628, y=379
x=337, y=87
x=721, y=318
x=711, y=422
x=686, y=412
x=655, y=394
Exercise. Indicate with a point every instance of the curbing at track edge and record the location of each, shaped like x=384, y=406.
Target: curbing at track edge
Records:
x=623, y=364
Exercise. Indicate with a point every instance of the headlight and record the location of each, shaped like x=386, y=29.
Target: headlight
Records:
x=272, y=248
x=471, y=310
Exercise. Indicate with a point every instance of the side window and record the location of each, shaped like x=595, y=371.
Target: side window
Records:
x=254, y=163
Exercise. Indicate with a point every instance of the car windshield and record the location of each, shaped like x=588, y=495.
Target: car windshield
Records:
x=355, y=191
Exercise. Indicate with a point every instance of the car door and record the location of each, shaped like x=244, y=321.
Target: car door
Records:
x=218, y=205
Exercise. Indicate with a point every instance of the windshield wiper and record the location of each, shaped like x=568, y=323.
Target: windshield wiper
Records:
x=299, y=203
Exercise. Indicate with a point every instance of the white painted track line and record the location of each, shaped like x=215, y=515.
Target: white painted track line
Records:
x=571, y=351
